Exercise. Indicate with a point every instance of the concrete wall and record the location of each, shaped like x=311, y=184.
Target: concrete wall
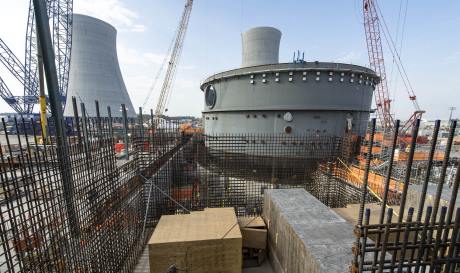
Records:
x=304, y=235
x=94, y=70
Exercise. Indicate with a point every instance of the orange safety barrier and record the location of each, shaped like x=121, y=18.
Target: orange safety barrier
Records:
x=419, y=156
x=376, y=182
x=119, y=147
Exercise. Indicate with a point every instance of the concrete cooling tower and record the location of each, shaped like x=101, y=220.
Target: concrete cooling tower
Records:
x=94, y=70
x=261, y=46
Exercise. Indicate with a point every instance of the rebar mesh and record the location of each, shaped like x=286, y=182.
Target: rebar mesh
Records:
x=92, y=208
x=421, y=233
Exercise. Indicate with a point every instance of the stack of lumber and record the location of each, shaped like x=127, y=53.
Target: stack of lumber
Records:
x=205, y=241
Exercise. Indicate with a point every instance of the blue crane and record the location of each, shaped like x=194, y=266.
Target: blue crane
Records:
x=60, y=16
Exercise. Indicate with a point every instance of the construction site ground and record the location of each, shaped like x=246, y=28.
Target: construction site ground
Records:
x=143, y=265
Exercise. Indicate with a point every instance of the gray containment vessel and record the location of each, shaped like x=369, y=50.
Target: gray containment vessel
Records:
x=320, y=103
x=94, y=70
x=287, y=98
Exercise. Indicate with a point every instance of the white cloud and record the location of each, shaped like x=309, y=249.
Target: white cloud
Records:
x=349, y=57
x=154, y=57
x=187, y=67
x=111, y=11
x=138, y=28
x=452, y=58
x=131, y=56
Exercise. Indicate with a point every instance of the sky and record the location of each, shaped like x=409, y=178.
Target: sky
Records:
x=427, y=35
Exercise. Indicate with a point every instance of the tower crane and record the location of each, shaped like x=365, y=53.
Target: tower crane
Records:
x=173, y=60
x=60, y=15
x=373, y=27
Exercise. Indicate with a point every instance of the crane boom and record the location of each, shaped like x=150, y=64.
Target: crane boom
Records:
x=377, y=63
x=174, y=59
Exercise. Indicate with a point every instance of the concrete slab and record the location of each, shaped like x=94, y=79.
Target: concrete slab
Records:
x=264, y=268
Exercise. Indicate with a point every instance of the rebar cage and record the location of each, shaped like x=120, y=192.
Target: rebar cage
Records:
x=91, y=205
x=421, y=233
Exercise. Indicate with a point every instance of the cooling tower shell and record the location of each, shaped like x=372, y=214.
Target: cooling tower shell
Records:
x=261, y=46
x=94, y=69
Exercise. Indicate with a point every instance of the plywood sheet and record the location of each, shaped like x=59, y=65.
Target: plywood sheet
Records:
x=254, y=238
x=251, y=222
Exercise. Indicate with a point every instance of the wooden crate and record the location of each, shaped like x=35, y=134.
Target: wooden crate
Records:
x=206, y=241
x=254, y=232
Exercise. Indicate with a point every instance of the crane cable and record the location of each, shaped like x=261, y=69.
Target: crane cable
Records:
x=159, y=72
x=403, y=5
x=393, y=78
x=396, y=56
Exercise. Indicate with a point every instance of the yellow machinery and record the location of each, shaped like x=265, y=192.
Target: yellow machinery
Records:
x=42, y=98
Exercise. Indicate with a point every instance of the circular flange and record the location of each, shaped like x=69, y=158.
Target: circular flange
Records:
x=210, y=96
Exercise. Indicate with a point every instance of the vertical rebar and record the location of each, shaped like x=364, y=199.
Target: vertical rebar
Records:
x=109, y=115
x=452, y=243
x=141, y=123
x=386, y=235
x=364, y=239
x=76, y=119
x=445, y=163
x=387, y=185
x=407, y=178
x=44, y=35
x=453, y=196
x=450, y=212
x=434, y=140
x=434, y=256
x=370, y=144
x=421, y=246
x=125, y=130
x=98, y=119
x=85, y=125
x=389, y=171
x=366, y=171
x=402, y=257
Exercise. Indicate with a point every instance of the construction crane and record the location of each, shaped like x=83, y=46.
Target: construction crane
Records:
x=173, y=60
x=373, y=27
x=60, y=15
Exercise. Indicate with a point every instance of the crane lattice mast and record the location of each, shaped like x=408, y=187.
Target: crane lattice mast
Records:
x=173, y=60
x=60, y=15
x=377, y=63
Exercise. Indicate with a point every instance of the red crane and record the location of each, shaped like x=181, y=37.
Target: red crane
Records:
x=372, y=26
